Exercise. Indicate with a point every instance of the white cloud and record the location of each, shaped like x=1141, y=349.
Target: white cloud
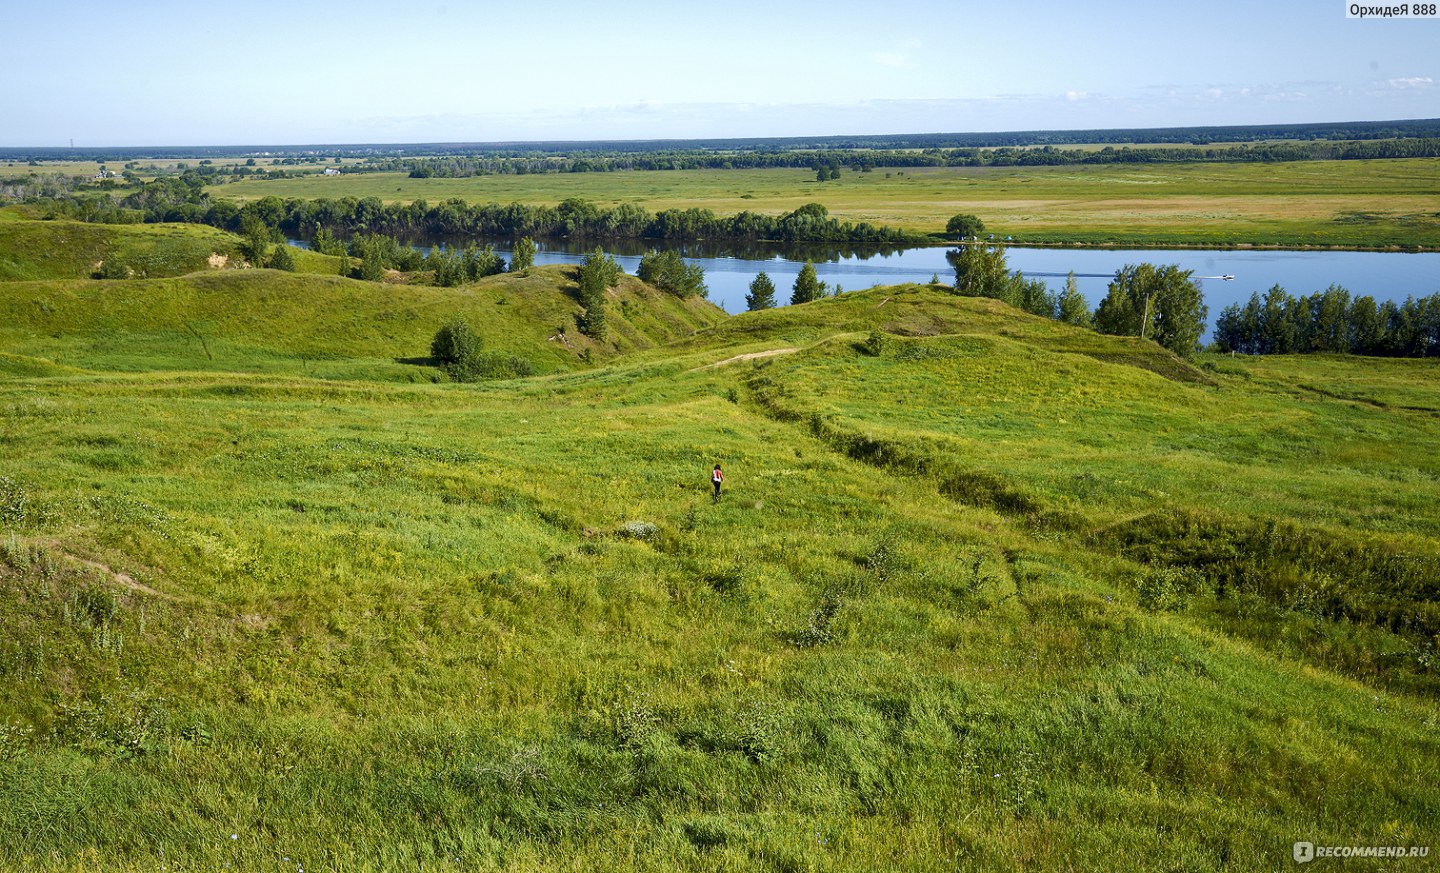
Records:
x=1411, y=83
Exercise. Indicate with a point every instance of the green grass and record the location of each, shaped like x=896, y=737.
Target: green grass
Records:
x=63, y=249
x=1374, y=204
x=71, y=249
x=328, y=327
x=360, y=623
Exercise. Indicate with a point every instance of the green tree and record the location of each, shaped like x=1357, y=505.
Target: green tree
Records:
x=282, y=259
x=1329, y=328
x=668, y=271
x=1031, y=295
x=807, y=285
x=964, y=225
x=1073, y=308
x=522, y=257
x=325, y=243
x=255, y=239
x=1367, y=331
x=980, y=271
x=762, y=293
x=1278, y=332
x=596, y=273
x=1160, y=303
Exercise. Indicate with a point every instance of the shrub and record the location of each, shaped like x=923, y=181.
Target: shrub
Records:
x=456, y=345
x=639, y=530
x=113, y=268
x=1167, y=588
x=874, y=344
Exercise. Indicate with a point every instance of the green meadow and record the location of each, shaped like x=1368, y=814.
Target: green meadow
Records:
x=1363, y=203
x=983, y=591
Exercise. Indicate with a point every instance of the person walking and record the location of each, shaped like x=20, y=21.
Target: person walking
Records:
x=716, y=478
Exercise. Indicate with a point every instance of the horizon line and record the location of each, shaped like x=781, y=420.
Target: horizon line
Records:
x=711, y=139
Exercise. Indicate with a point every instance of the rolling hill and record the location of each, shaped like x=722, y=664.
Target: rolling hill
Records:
x=983, y=590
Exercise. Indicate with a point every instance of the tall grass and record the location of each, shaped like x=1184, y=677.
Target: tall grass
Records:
x=259, y=618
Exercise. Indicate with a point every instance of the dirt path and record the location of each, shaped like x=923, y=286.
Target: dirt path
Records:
x=748, y=356
x=110, y=573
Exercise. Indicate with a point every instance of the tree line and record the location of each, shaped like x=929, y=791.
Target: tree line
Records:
x=1280, y=323
x=1162, y=303
x=183, y=198
x=178, y=199
x=1346, y=130
x=864, y=160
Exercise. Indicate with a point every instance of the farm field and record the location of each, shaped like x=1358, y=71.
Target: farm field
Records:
x=1350, y=203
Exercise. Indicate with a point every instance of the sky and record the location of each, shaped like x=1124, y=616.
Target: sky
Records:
x=263, y=72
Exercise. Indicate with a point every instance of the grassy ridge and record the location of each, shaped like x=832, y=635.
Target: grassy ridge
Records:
x=61, y=249
x=326, y=326
x=367, y=625
x=1343, y=203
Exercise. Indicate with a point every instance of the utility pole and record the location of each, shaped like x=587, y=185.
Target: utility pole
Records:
x=1145, y=322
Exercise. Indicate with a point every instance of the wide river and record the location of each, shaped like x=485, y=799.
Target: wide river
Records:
x=1382, y=275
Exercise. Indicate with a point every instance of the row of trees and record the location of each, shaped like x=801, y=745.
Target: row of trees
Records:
x=182, y=198
x=1163, y=303
x=1330, y=321
x=807, y=287
x=827, y=162
x=1344, y=130
x=369, y=256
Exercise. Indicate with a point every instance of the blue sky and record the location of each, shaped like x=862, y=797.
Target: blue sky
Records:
x=170, y=73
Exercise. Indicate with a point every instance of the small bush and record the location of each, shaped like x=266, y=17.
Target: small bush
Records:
x=460, y=352
x=874, y=344
x=1167, y=588
x=492, y=365
x=113, y=268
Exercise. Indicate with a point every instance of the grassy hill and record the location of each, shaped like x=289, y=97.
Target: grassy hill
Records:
x=990, y=592
x=62, y=249
x=326, y=326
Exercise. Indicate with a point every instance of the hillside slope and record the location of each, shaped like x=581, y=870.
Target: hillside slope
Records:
x=988, y=592
x=265, y=320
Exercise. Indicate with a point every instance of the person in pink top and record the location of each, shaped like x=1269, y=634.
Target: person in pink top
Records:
x=716, y=478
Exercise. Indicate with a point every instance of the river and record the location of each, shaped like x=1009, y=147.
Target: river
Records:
x=728, y=272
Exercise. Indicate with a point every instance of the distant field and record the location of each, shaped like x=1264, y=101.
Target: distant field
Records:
x=147, y=167
x=1348, y=203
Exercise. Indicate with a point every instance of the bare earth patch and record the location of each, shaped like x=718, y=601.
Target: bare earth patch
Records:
x=110, y=573
x=748, y=356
